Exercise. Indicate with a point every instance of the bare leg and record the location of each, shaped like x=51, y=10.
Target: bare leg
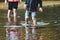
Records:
x=34, y=22
x=9, y=16
x=26, y=17
x=15, y=16
x=34, y=19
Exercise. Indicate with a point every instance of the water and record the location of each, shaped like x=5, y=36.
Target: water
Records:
x=48, y=32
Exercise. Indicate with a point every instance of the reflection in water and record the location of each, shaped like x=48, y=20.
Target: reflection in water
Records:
x=7, y=34
x=27, y=33
x=30, y=36
x=12, y=34
x=46, y=33
x=34, y=34
x=41, y=37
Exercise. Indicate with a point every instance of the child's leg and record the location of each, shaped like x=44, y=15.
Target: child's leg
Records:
x=15, y=6
x=9, y=16
x=26, y=16
x=9, y=12
x=34, y=19
x=15, y=16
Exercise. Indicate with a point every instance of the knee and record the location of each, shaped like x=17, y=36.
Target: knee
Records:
x=33, y=18
x=14, y=10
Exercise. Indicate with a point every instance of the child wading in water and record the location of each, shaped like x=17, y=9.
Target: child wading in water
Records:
x=31, y=7
x=12, y=8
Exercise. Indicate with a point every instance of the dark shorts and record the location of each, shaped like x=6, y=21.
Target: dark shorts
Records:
x=12, y=5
